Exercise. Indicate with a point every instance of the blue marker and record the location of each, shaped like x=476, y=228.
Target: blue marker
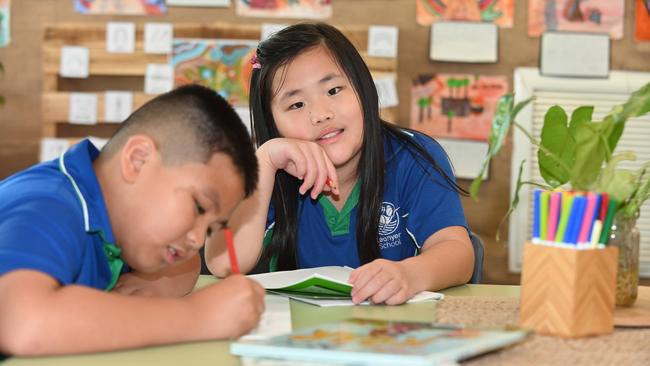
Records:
x=536, y=206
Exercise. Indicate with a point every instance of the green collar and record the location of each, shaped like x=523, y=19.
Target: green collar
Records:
x=339, y=222
x=115, y=262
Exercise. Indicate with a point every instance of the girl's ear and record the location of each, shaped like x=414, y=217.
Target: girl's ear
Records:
x=137, y=152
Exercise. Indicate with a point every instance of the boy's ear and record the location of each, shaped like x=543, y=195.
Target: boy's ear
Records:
x=138, y=151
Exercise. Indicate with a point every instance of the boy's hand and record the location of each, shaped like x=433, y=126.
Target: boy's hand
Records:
x=304, y=160
x=381, y=281
x=228, y=309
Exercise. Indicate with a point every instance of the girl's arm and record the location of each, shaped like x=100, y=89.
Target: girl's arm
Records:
x=447, y=259
x=304, y=160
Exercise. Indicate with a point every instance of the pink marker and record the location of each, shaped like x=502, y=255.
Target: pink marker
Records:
x=588, y=218
x=553, y=216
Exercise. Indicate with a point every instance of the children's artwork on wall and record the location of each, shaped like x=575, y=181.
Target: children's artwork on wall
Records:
x=202, y=3
x=5, y=34
x=499, y=12
x=121, y=7
x=220, y=64
x=595, y=16
x=310, y=9
x=459, y=106
x=642, y=23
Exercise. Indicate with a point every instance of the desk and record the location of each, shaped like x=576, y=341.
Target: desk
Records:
x=482, y=299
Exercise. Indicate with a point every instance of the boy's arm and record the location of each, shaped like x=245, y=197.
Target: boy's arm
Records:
x=178, y=280
x=38, y=316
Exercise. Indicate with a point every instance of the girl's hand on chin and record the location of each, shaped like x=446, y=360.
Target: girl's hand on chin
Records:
x=304, y=160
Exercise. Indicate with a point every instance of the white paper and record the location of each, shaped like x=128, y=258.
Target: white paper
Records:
x=74, y=62
x=280, y=279
x=159, y=78
x=269, y=28
x=464, y=42
x=99, y=142
x=275, y=320
x=118, y=105
x=83, y=108
x=158, y=38
x=120, y=37
x=386, y=91
x=203, y=3
x=52, y=148
x=245, y=115
x=419, y=297
x=382, y=41
x=466, y=156
x=573, y=54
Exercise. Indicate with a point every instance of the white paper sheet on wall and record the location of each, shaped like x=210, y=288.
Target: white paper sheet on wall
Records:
x=52, y=148
x=269, y=28
x=83, y=108
x=158, y=38
x=118, y=105
x=74, y=62
x=573, y=54
x=120, y=37
x=386, y=91
x=466, y=156
x=159, y=78
x=382, y=41
x=464, y=42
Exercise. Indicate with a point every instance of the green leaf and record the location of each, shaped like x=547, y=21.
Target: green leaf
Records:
x=557, y=140
x=637, y=105
x=589, y=156
x=639, y=197
x=503, y=117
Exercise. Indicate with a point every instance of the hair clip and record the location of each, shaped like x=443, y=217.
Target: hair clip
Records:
x=256, y=63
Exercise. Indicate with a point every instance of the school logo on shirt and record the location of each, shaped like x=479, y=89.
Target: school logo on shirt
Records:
x=389, y=219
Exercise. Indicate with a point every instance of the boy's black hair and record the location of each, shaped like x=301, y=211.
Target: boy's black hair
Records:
x=278, y=51
x=192, y=123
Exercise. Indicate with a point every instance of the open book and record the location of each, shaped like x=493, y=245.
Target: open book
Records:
x=378, y=342
x=322, y=286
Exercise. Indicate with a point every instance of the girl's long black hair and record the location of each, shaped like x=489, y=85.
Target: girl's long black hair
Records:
x=278, y=51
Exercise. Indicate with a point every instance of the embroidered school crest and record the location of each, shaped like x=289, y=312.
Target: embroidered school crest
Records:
x=389, y=219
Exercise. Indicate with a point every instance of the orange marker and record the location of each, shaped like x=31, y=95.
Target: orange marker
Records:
x=227, y=232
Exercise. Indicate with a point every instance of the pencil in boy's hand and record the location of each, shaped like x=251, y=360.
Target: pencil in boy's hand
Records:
x=227, y=232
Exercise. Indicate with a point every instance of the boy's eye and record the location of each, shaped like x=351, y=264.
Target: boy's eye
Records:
x=199, y=208
x=334, y=90
x=297, y=105
x=209, y=231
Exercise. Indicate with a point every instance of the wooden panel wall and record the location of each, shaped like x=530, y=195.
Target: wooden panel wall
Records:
x=20, y=118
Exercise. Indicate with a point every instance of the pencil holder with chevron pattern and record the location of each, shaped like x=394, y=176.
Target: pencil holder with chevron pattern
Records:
x=568, y=292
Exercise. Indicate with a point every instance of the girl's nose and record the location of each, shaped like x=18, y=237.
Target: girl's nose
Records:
x=320, y=116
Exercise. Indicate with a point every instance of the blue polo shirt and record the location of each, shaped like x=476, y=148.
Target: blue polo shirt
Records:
x=417, y=203
x=53, y=219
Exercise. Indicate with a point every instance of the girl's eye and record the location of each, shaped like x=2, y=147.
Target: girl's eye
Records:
x=199, y=208
x=334, y=90
x=297, y=105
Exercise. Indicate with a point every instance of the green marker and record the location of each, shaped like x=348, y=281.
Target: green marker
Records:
x=543, y=214
x=567, y=202
x=607, y=225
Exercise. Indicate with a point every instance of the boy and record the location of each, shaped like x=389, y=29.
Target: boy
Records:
x=172, y=173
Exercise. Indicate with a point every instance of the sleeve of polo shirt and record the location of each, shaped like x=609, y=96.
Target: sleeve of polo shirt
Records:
x=43, y=235
x=431, y=202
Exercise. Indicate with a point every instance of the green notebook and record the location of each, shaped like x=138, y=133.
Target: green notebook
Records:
x=321, y=286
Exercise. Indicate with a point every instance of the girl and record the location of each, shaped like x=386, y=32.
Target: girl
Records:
x=381, y=198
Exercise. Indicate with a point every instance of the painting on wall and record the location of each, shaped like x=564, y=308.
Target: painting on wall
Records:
x=499, y=12
x=457, y=106
x=305, y=9
x=595, y=16
x=220, y=64
x=5, y=29
x=121, y=7
x=642, y=21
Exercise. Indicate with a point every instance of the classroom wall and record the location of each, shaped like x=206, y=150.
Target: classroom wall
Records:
x=21, y=85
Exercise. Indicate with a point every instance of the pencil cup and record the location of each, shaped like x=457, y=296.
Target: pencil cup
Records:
x=568, y=292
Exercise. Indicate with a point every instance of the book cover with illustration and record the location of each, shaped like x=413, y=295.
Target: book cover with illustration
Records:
x=377, y=342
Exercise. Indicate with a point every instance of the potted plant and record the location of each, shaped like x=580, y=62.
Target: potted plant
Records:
x=579, y=153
